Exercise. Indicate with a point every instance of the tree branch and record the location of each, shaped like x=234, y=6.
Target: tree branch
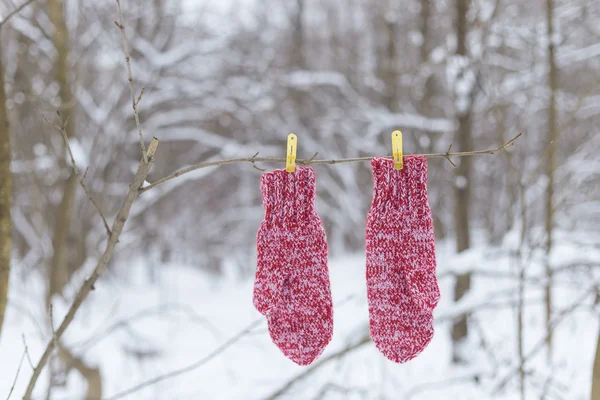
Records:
x=190, y=367
x=12, y=387
x=312, y=161
x=542, y=343
x=84, y=290
x=309, y=371
x=80, y=178
x=134, y=102
x=15, y=12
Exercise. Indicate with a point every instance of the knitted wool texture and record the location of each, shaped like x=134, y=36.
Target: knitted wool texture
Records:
x=402, y=289
x=292, y=279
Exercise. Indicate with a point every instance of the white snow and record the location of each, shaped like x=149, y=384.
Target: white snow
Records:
x=460, y=182
x=79, y=154
x=135, y=330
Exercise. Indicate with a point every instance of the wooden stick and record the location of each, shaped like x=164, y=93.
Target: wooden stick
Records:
x=312, y=161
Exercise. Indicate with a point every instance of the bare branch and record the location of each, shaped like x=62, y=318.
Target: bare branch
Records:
x=437, y=385
x=247, y=331
x=15, y=12
x=448, y=156
x=12, y=388
x=190, y=367
x=80, y=178
x=152, y=311
x=254, y=164
x=137, y=102
x=134, y=103
x=542, y=343
x=365, y=339
x=312, y=161
x=326, y=360
x=84, y=290
x=27, y=350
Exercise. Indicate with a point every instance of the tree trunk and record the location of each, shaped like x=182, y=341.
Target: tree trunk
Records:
x=387, y=60
x=298, y=56
x=596, y=373
x=550, y=165
x=58, y=273
x=91, y=374
x=462, y=187
x=5, y=198
x=60, y=269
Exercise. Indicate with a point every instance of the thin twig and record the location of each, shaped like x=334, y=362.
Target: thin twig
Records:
x=12, y=388
x=134, y=103
x=448, y=156
x=51, y=315
x=254, y=164
x=152, y=311
x=365, y=339
x=26, y=350
x=312, y=161
x=246, y=331
x=542, y=343
x=15, y=12
x=440, y=384
x=103, y=262
x=137, y=102
x=190, y=367
x=325, y=360
x=80, y=178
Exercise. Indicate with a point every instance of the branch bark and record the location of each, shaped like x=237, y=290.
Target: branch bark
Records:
x=83, y=292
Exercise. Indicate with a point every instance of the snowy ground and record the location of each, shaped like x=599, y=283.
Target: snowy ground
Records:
x=137, y=330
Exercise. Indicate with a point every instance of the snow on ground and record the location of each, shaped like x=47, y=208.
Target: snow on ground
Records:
x=140, y=328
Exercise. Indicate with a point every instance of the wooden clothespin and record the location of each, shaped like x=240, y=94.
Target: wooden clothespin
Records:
x=292, y=146
x=397, y=150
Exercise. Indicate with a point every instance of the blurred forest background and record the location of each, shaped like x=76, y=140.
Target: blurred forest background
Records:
x=226, y=79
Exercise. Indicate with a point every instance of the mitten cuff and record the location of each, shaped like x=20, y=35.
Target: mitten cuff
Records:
x=394, y=188
x=289, y=198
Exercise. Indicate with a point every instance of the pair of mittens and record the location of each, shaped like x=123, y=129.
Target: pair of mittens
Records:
x=402, y=288
x=292, y=279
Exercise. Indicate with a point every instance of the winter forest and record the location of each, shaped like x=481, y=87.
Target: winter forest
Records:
x=133, y=137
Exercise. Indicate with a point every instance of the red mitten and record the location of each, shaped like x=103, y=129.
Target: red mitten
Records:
x=292, y=280
x=402, y=288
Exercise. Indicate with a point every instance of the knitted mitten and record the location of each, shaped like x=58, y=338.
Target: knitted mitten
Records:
x=292, y=280
x=402, y=288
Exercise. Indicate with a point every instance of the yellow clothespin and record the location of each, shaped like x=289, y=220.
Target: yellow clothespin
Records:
x=397, y=150
x=292, y=146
